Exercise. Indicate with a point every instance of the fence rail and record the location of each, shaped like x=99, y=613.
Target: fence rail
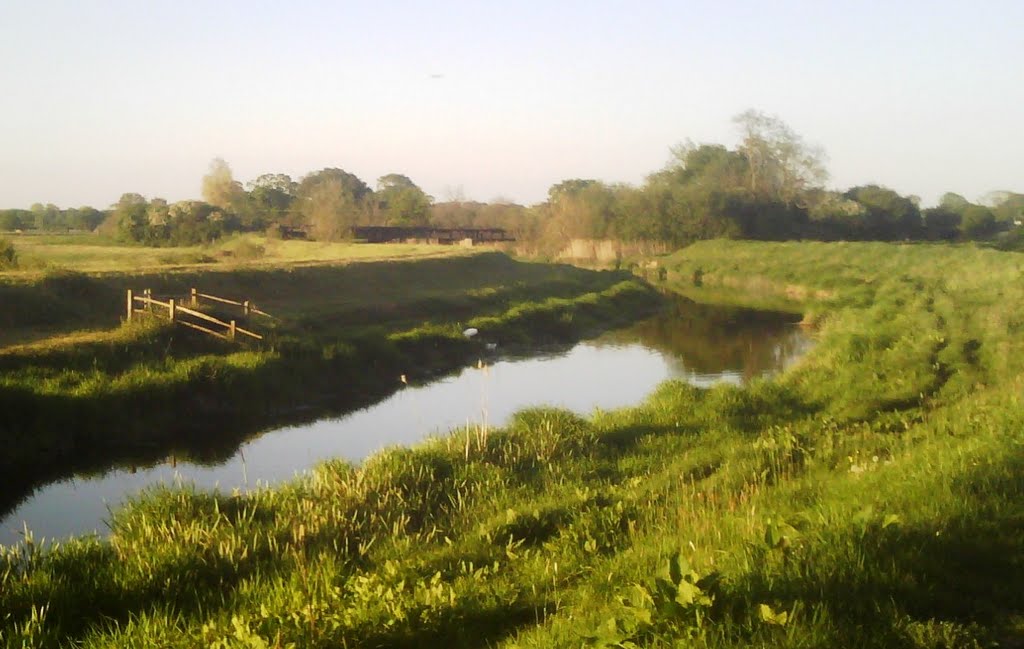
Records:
x=178, y=313
x=247, y=306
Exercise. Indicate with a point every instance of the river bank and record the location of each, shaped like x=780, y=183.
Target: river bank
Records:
x=869, y=496
x=147, y=390
x=683, y=340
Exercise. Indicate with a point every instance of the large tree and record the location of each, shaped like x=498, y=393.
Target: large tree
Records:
x=221, y=189
x=1008, y=207
x=330, y=202
x=886, y=216
x=581, y=209
x=978, y=222
x=46, y=217
x=84, y=218
x=128, y=218
x=270, y=200
x=401, y=201
x=15, y=219
x=781, y=166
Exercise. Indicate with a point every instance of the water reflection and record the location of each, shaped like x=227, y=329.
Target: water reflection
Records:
x=694, y=342
x=709, y=343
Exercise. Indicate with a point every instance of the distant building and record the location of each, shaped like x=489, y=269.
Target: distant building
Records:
x=389, y=234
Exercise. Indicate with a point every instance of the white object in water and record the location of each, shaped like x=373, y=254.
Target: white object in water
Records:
x=491, y=346
x=469, y=333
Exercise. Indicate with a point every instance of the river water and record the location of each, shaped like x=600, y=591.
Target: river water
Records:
x=697, y=343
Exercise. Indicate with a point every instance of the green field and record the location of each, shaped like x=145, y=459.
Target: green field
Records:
x=93, y=253
x=871, y=496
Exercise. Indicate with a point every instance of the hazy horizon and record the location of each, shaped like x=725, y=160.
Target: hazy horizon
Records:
x=492, y=102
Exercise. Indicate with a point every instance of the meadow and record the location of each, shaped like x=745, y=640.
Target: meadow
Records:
x=96, y=253
x=870, y=496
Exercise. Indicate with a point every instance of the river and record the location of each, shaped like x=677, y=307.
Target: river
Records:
x=698, y=343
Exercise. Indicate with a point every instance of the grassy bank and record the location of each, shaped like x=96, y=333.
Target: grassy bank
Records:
x=871, y=496
x=92, y=253
x=140, y=392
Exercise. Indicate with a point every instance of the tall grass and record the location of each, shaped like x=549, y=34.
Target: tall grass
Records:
x=871, y=496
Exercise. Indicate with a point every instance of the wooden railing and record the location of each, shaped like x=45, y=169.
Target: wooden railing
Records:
x=247, y=306
x=186, y=316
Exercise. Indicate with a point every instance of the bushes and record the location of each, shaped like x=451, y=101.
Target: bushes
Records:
x=8, y=256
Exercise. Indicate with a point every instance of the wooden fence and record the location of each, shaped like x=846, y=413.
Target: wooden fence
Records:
x=189, y=315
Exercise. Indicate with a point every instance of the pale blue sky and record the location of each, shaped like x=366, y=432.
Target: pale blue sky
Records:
x=105, y=97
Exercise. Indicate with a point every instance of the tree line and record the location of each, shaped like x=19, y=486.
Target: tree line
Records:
x=770, y=186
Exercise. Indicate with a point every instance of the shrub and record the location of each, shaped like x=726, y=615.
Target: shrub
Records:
x=8, y=257
x=248, y=250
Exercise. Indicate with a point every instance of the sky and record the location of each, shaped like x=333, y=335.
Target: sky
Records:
x=491, y=100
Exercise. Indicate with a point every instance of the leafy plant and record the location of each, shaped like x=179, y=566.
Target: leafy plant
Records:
x=676, y=606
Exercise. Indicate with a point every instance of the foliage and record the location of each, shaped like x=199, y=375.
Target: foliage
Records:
x=220, y=188
x=886, y=215
x=977, y=221
x=781, y=167
x=769, y=187
x=331, y=201
x=8, y=255
x=401, y=201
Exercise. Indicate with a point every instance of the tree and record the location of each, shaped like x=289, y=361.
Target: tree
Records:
x=330, y=202
x=781, y=166
x=978, y=222
x=689, y=196
x=14, y=219
x=1008, y=207
x=329, y=212
x=270, y=200
x=128, y=220
x=580, y=209
x=220, y=189
x=887, y=215
x=45, y=217
x=954, y=203
x=85, y=218
x=941, y=223
x=401, y=201
x=571, y=187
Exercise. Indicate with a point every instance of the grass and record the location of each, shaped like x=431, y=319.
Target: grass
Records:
x=309, y=297
x=871, y=496
x=96, y=254
x=78, y=403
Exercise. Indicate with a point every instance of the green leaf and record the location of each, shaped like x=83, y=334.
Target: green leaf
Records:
x=863, y=517
x=687, y=593
x=768, y=616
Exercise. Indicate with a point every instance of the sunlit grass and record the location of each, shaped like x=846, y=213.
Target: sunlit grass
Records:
x=872, y=496
x=95, y=254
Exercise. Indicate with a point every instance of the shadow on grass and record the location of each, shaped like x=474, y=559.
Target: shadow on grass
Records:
x=872, y=580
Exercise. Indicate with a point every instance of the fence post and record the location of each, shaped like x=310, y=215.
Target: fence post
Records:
x=245, y=307
x=148, y=294
x=130, y=305
x=231, y=330
x=170, y=309
x=195, y=298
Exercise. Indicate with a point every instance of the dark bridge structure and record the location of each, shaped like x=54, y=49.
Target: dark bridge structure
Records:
x=389, y=234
